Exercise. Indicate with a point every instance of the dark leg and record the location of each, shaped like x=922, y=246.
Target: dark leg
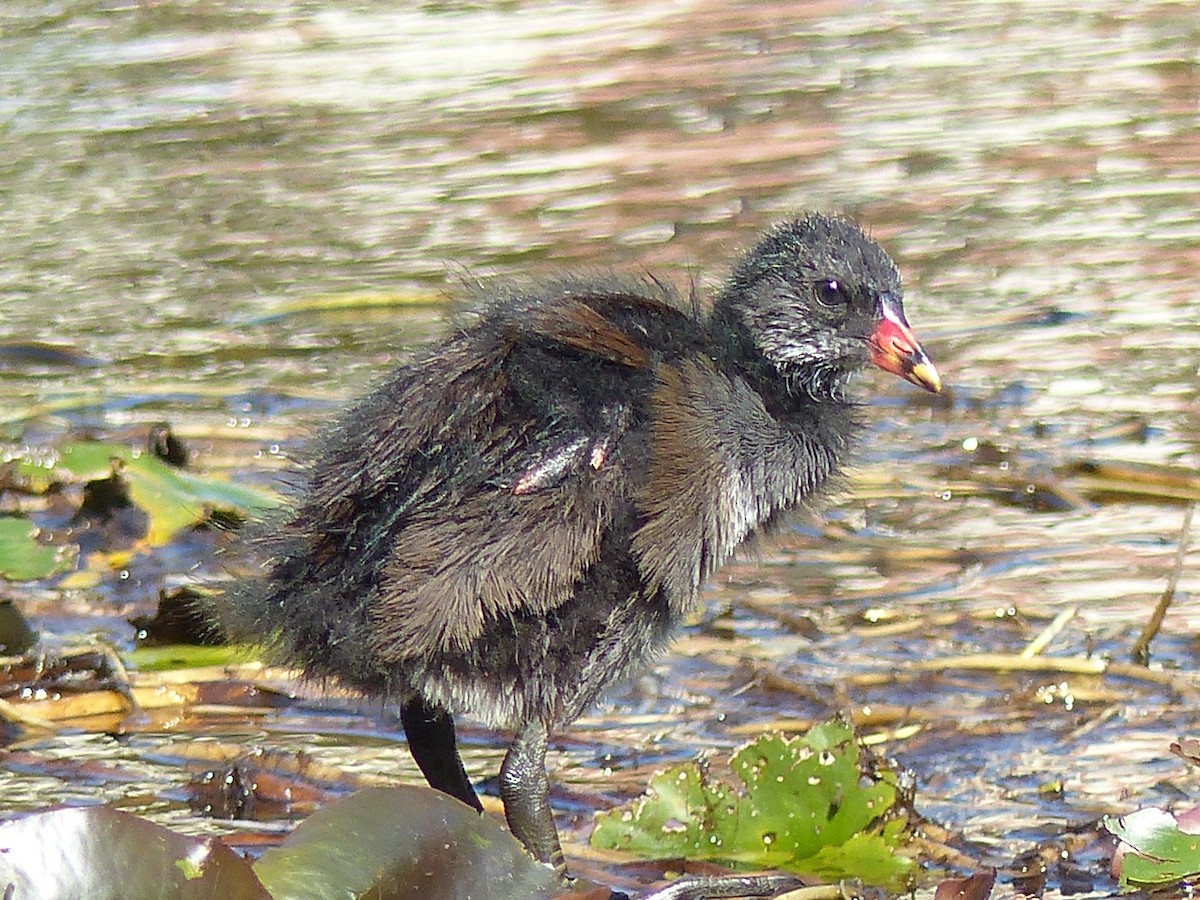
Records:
x=525, y=790
x=714, y=886
x=430, y=733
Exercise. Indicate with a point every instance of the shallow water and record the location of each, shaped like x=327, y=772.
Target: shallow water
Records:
x=177, y=181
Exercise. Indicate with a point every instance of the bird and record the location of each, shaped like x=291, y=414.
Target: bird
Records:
x=522, y=514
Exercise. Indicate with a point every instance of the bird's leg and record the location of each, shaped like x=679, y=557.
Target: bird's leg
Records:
x=431, y=740
x=525, y=790
x=712, y=887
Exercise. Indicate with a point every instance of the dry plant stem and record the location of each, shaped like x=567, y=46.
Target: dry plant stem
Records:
x=1049, y=633
x=11, y=712
x=26, y=712
x=1140, y=654
x=122, y=685
x=1011, y=662
x=931, y=843
x=1094, y=723
x=1178, y=682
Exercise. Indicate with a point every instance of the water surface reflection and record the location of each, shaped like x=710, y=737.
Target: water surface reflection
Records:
x=177, y=178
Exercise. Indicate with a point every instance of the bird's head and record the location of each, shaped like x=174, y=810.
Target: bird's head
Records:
x=819, y=299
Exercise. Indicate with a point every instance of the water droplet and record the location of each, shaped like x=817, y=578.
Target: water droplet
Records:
x=768, y=838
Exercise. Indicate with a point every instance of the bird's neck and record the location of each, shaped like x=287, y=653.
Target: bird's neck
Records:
x=801, y=390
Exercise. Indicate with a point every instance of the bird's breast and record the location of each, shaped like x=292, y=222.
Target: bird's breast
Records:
x=719, y=466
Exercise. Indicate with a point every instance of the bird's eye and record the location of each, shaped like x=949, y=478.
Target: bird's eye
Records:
x=831, y=292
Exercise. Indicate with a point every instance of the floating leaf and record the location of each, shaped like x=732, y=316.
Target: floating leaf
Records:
x=172, y=498
x=402, y=842
x=802, y=805
x=102, y=852
x=175, y=499
x=1187, y=749
x=973, y=887
x=1154, y=850
x=22, y=558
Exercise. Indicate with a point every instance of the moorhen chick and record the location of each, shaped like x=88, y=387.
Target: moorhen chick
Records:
x=519, y=517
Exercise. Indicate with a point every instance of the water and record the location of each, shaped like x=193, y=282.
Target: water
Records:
x=177, y=181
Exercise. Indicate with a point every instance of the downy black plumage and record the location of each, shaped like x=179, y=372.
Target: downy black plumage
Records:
x=519, y=516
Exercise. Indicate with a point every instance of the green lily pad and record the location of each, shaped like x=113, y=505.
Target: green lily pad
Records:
x=802, y=805
x=22, y=558
x=102, y=852
x=402, y=842
x=172, y=498
x=1154, y=850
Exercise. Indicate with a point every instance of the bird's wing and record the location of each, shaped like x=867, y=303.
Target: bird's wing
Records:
x=506, y=467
